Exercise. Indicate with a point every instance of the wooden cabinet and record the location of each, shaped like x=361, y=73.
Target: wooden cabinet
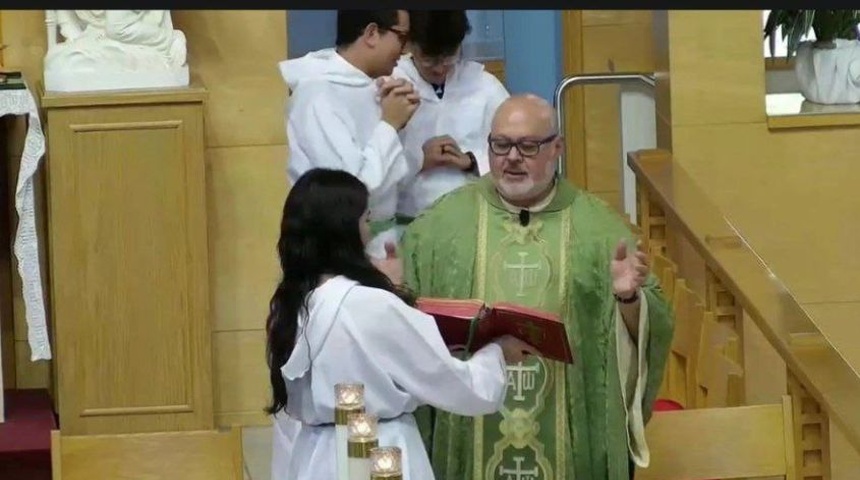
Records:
x=128, y=260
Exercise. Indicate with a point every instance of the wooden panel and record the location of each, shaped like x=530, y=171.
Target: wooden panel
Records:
x=129, y=263
x=574, y=102
x=844, y=458
x=30, y=374
x=246, y=191
x=664, y=131
x=24, y=33
x=614, y=17
x=7, y=349
x=735, y=166
x=662, y=94
x=603, y=137
x=764, y=369
x=726, y=84
x=242, y=378
x=7, y=324
x=235, y=54
x=618, y=48
x=199, y=455
x=609, y=48
x=735, y=442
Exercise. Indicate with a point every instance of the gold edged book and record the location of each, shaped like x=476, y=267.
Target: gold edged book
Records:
x=472, y=324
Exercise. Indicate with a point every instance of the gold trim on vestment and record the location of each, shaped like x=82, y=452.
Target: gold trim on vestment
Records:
x=481, y=282
x=561, y=447
x=556, y=373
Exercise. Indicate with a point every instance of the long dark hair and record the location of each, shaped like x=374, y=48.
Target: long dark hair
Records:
x=319, y=236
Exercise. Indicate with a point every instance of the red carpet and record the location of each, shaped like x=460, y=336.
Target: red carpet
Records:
x=25, y=437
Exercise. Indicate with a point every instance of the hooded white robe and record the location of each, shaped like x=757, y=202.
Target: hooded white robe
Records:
x=334, y=120
x=360, y=334
x=465, y=112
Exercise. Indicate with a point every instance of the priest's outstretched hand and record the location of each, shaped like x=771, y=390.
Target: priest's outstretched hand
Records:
x=628, y=271
x=391, y=265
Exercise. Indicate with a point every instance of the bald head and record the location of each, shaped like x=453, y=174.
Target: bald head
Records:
x=526, y=110
x=524, y=147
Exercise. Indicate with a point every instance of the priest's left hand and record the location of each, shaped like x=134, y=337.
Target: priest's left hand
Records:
x=628, y=271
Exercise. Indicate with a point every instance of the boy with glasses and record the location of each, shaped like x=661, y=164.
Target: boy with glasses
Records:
x=345, y=112
x=447, y=135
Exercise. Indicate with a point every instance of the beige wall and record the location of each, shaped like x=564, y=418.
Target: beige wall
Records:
x=233, y=54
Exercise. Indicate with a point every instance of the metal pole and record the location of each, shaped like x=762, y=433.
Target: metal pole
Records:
x=591, y=79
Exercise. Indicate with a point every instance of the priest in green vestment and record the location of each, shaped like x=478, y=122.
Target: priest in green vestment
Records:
x=521, y=234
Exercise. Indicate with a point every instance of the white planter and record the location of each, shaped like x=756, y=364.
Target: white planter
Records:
x=829, y=75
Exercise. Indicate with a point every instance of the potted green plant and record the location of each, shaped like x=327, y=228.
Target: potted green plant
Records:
x=827, y=68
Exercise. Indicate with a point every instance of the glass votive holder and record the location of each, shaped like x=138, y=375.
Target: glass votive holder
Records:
x=349, y=395
x=362, y=427
x=386, y=463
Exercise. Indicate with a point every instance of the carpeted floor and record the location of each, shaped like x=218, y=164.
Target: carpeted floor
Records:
x=25, y=437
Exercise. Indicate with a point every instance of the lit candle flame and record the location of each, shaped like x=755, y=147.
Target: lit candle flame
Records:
x=349, y=395
x=385, y=460
x=384, y=463
x=362, y=425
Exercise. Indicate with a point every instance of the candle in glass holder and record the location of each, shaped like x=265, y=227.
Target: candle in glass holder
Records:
x=349, y=398
x=385, y=463
x=362, y=429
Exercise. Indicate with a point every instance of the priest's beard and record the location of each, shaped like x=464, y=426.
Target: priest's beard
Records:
x=527, y=189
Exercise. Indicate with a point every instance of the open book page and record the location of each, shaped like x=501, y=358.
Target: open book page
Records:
x=543, y=330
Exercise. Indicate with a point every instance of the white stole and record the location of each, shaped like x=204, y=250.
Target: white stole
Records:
x=633, y=372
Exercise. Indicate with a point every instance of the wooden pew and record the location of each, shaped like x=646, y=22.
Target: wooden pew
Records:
x=195, y=455
x=725, y=443
x=680, y=382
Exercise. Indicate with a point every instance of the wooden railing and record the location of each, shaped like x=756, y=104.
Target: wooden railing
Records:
x=822, y=385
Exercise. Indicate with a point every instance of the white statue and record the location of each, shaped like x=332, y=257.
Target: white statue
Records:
x=113, y=50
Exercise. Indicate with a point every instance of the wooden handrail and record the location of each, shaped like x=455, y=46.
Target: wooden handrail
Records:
x=785, y=324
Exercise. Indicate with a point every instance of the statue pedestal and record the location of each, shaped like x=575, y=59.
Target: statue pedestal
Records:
x=77, y=81
x=128, y=256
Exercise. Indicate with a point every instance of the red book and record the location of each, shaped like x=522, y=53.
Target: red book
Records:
x=473, y=324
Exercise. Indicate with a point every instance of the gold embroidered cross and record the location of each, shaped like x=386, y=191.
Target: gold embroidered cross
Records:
x=523, y=234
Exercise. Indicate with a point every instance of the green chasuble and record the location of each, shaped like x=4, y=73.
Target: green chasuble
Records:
x=559, y=422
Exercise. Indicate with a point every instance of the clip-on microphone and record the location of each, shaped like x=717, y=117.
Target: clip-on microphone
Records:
x=524, y=217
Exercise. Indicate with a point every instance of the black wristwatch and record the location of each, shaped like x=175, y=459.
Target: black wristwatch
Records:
x=627, y=301
x=473, y=164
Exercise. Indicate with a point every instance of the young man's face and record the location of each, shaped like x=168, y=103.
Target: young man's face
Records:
x=390, y=45
x=433, y=69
